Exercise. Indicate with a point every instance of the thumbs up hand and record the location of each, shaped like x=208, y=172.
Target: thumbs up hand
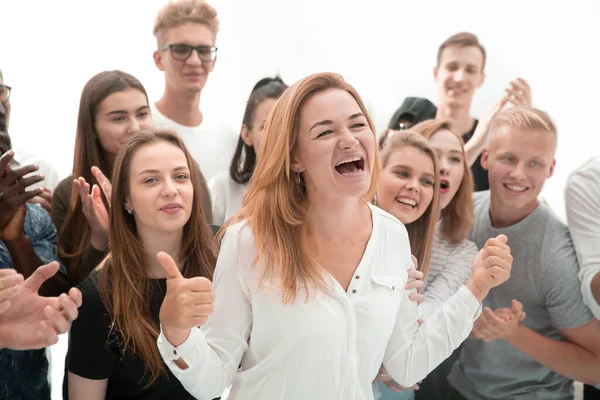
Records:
x=491, y=267
x=188, y=302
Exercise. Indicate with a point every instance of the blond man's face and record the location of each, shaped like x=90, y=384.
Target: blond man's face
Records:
x=189, y=75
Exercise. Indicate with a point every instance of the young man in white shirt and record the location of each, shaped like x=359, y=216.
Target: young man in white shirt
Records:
x=186, y=32
x=582, y=199
x=535, y=335
x=23, y=158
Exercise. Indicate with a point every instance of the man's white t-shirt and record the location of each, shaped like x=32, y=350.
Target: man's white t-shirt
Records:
x=212, y=144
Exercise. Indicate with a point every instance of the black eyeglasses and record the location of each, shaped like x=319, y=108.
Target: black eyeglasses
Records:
x=4, y=93
x=182, y=51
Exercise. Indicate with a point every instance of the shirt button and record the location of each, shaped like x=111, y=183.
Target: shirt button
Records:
x=392, y=287
x=175, y=352
x=353, y=290
x=357, y=277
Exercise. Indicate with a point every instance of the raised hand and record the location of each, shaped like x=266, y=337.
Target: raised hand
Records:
x=33, y=321
x=520, y=93
x=491, y=267
x=104, y=182
x=95, y=212
x=13, y=185
x=187, y=304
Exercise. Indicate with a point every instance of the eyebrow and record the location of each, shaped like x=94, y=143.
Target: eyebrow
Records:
x=328, y=121
x=402, y=166
x=155, y=171
x=125, y=111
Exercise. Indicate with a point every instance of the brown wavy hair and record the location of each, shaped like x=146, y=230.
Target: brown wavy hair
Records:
x=421, y=231
x=276, y=204
x=458, y=216
x=123, y=282
x=75, y=234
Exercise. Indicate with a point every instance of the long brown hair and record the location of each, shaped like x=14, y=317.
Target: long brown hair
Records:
x=458, y=216
x=276, y=204
x=123, y=281
x=421, y=231
x=75, y=234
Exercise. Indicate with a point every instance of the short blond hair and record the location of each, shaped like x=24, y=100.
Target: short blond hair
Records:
x=179, y=12
x=523, y=118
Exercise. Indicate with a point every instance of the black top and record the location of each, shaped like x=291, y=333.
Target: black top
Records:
x=95, y=352
x=480, y=175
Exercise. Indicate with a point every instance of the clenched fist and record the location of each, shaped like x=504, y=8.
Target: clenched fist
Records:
x=187, y=304
x=491, y=267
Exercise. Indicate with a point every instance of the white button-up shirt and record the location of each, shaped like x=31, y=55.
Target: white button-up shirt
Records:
x=330, y=347
x=582, y=200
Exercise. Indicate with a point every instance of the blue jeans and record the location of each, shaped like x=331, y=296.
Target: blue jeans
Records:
x=387, y=394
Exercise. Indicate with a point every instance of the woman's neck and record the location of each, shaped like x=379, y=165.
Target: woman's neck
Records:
x=155, y=242
x=339, y=216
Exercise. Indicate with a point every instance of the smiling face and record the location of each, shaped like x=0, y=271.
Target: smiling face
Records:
x=519, y=162
x=405, y=188
x=335, y=149
x=119, y=116
x=451, y=164
x=161, y=193
x=459, y=73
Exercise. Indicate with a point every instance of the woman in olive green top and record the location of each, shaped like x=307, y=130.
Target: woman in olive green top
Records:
x=113, y=106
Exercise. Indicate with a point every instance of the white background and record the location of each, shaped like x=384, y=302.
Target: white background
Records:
x=385, y=48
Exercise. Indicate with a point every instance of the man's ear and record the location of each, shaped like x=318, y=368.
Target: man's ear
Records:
x=551, y=172
x=485, y=159
x=158, y=60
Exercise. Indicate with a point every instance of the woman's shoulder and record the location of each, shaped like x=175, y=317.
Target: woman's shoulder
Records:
x=387, y=221
x=64, y=187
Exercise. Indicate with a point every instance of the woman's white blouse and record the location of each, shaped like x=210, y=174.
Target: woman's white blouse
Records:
x=330, y=347
x=226, y=197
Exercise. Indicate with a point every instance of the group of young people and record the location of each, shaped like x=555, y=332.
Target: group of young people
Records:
x=312, y=259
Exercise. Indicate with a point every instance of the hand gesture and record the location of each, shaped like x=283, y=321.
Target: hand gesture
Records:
x=13, y=185
x=44, y=199
x=104, y=183
x=415, y=281
x=520, y=93
x=33, y=321
x=15, y=228
x=500, y=324
x=95, y=212
x=187, y=304
x=491, y=267
x=10, y=282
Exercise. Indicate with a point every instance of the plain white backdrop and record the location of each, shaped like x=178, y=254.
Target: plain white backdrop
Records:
x=386, y=49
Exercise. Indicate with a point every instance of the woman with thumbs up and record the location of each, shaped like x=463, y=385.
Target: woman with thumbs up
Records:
x=309, y=287
x=156, y=207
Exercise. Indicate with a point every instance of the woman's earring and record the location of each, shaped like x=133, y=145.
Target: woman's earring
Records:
x=128, y=210
x=298, y=178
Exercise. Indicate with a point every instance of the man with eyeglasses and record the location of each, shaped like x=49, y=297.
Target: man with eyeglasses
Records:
x=22, y=158
x=186, y=31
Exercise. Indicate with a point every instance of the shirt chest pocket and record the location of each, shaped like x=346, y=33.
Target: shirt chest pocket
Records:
x=384, y=300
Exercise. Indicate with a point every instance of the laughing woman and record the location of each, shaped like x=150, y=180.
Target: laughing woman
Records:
x=309, y=283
